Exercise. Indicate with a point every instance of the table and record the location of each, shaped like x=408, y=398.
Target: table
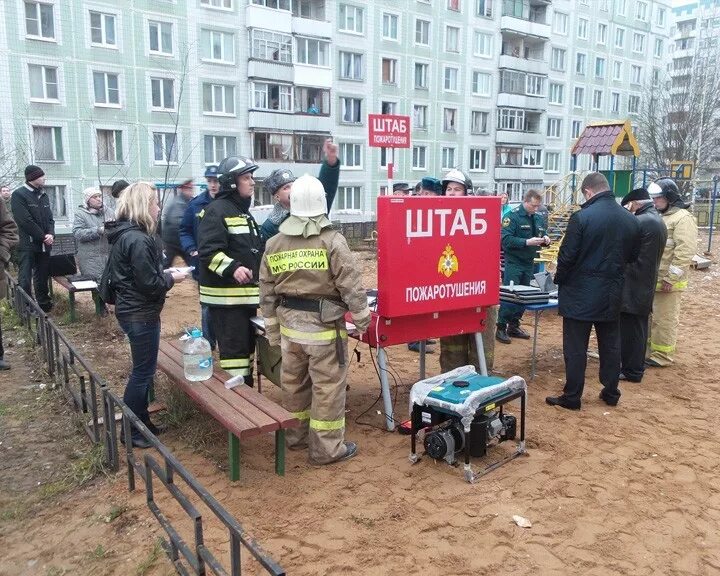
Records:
x=538, y=310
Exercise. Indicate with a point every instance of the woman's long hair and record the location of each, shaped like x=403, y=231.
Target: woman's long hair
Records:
x=134, y=205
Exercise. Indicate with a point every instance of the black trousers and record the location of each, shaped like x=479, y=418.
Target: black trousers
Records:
x=576, y=335
x=633, y=345
x=35, y=266
x=2, y=350
x=235, y=339
x=171, y=251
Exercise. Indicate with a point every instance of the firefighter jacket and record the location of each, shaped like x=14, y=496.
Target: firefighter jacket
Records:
x=680, y=248
x=228, y=237
x=517, y=227
x=311, y=269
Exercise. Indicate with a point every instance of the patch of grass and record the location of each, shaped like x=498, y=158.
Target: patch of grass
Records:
x=17, y=510
x=362, y=520
x=151, y=559
x=53, y=489
x=100, y=552
x=88, y=466
x=55, y=571
x=115, y=513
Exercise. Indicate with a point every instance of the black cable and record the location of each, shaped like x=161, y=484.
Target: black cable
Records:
x=395, y=381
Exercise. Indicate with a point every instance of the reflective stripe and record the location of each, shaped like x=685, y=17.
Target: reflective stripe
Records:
x=676, y=285
x=230, y=290
x=238, y=230
x=201, y=213
x=301, y=259
x=660, y=348
x=304, y=415
x=324, y=336
x=238, y=371
x=236, y=221
x=219, y=263
x=230, y=300
x=234, y=363
x=327, y=424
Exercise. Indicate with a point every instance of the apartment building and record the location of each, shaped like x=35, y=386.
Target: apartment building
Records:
x=156, y=89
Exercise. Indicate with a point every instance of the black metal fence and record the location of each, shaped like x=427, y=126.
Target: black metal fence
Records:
x=90, y=395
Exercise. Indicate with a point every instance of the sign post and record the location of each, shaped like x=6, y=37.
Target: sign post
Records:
x=389, y=131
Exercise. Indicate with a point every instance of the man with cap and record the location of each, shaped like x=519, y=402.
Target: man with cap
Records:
x=430, y=186
x=117, y=187
x=280, y=181
x=172, y=215
x=8, y=240
x=309, y=280
x=674, y=269
x=401, y=189
x=639, y=286
x=36, y=227
x=189, y=238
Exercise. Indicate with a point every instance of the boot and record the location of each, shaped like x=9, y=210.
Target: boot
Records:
x=4, y=365
x=515, y=331
x=501, y=335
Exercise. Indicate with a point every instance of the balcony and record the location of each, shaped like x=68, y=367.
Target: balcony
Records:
x=518, y=173
x=523, y=64
x=519, y=138
x=306, y=75
x=271, y=70
x=308, y=27
x=257, y=16
x=526, y=17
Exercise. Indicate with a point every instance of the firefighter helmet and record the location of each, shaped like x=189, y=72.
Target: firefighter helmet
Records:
x=232, y=167
x=307, y=197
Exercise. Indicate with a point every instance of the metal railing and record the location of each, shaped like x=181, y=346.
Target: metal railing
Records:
x=89, y=393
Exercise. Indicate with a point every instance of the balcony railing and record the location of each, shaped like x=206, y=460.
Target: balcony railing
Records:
x=522, y=10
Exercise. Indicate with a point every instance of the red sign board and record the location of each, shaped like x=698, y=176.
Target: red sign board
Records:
x=389, y=131
x=437, y=254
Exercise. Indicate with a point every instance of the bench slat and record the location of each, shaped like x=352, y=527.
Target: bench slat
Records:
x=208, y=400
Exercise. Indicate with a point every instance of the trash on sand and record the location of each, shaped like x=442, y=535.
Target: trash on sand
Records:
x=522, y=522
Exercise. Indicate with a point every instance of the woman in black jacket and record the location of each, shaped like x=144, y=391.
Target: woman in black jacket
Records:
x=140, y=285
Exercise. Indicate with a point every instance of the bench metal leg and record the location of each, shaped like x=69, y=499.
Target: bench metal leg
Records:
x=280, y=452
x=234, y=456
x=71, y=297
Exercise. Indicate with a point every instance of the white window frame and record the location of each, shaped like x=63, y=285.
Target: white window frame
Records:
x=38, y=20
x=153, y=80
x=554, y=128
x=615, y=102
x=426, y=76
x=578, y=90
x=420, y=22
x=486, y=85
x=106, y=74
x=447, y=157
x=227, y=5
x=560, y=23
x=354, y=193
x=482, y=44
x=635, y=74
x=450, y=113
x=575, y=129
x=176, y=146
x=484, y=8
x=451, y=82
x=641, y=11
x=357, y=22
x=561, y=55
x=104, y=15
x=552, y=162
x=456, y=49
x=532, y=157
x=582, y=28
x=483, y=120
x=394, y=72
x=660, y=16
x=601, y=33
x=211, y=59
x=418, y=151
x=658, y=53
x=621, y=7
x=415, y=124
x=478, y=160
x=157, y=25
x=344, y=101
x=43, y=72
x=262, y=89
x=602, y=61
x=226, y=150
x=214, y=99
x=641, y=37
x=619, y=34
x=388, y=17
x=636, y=99
x=118, y=149
x=559, y=97
x=58, y=144
x=356, y=69
x=597, y=99
x=51, y=190
x=271, y=42
x=579, y=72
x=617, y=67
x=353, y=150
x=308, y=44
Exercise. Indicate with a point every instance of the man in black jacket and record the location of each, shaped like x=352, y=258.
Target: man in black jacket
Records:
x=600, y=240
x=639, y=288
x=36, y=227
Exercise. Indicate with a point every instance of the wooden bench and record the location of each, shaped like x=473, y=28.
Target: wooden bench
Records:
x=242, y=410
x=65, y=282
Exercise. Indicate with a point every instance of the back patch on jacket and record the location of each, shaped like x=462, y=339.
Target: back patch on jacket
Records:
x=301, y=259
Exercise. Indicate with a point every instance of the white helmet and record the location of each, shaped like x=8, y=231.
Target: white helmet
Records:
x=307, y=197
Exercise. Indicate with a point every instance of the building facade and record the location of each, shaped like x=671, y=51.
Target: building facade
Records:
x=96, y=90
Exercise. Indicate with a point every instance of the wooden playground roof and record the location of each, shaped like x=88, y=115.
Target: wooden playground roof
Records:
x=607, y=139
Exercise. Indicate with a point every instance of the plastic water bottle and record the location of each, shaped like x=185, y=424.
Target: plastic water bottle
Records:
x=197, y=357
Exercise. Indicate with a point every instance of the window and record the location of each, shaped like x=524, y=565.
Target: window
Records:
x=160, y=37
x=57, y=195
x=579, y=97
x=479, y=122
x=532, y=157
x=597, y=99
x=582, y=29
x=453, y=5
x=308, y=147
x=615, y=102
x=351, y=110
x=266, y=45
x=552, y=161
x=656, y=77
x=312, y=100
x=348, y=198
x=39, y=20
x=165, y=148
x=601, y=33
x=276, y=4
x=660, y=17
x=422, y=32
x=507, y=156
x=219, y=147
x=388, y=107
x=449, y=119
x=313, y=52
x=621, y=7
x=483, y=8
x=109, y=146
x=268, y=146
x=390, y=26
x=163, y=93
x=619, y=37
x=638, y=42
x=389, y=71
x=658, y=51
x=617, y=71
x=635, y=74
x=560, y=23
x=482, y=84
x=350, y=19
x=599, y=67
x=216, y=46
x=350, y=66
x=219, y=99
x=556, y=93
x=557, y=59
x=554, y=127
x=420, y=112
x=43, y=82
x=633, y=104
x=421, y=75
x=448, y=158
x=483, y=45
x=535, y=85
x=580, y=63
x=102, y=29
x=641, y=11
x=419, y=157
x=47, y=144
x=267, y=96
x=452, y=39
x=450, y=79
x=478, y=160
x=107, y=89
x=605, y=5
x=351, y=155
x=227, y=4
x=576, y=126
x=511, y=119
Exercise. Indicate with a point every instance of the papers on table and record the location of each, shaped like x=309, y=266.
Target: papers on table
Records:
x=85, y=284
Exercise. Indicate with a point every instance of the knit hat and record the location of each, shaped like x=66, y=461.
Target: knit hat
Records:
x=118, y=186
x=432, y=184
x=277, y=179
x=401, y=187
x=33, y=172
x=637, y=194
x=90, y=192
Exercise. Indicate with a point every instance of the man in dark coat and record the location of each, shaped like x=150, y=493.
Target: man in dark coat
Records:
x=639, y=288
x=600, y=240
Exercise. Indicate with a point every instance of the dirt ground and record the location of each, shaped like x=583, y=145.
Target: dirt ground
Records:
x=626, y=490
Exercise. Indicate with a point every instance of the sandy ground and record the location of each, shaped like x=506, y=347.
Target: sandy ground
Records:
x=626, y=490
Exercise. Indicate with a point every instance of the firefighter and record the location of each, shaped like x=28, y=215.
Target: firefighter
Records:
x=230, y=248
x=672, y=280
x=523, y=232
x=309, y=279
x=460, y=350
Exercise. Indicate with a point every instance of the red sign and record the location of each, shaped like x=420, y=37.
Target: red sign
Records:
x=437, y=254
x=389, y=131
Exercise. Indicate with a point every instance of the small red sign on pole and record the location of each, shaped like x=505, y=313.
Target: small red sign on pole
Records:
x=389, y=131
